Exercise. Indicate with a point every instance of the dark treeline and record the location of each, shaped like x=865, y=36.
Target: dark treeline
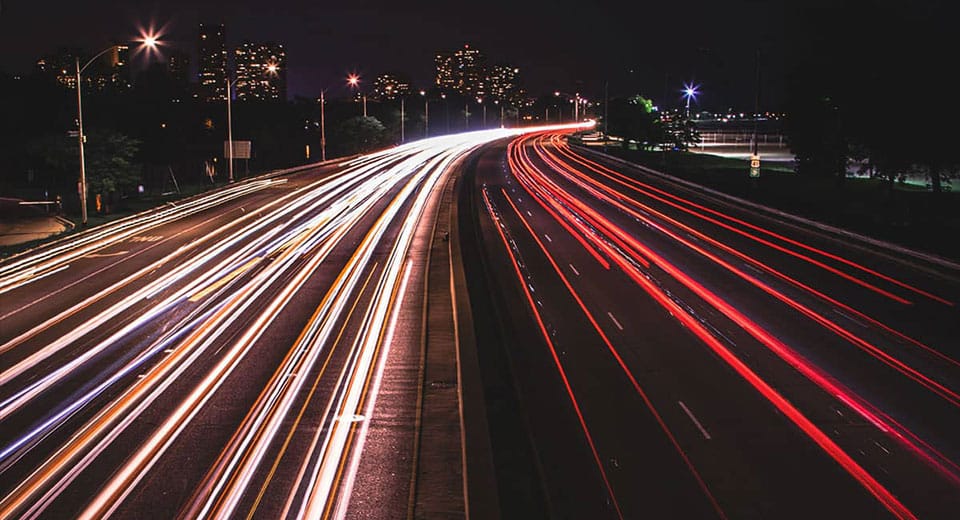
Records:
x=157, y=136
x=867, y=89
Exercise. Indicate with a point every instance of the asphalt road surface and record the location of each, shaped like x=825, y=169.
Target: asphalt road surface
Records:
x=652, y=350
x=222, y=356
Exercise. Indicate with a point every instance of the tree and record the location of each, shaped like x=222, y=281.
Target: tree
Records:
x=678, y=132
x=109, y=159
x=362, y=134
x=111, y=170
x=634, y=119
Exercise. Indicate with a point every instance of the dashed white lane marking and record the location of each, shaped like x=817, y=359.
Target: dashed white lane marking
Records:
x=529, y=214
x=547, y=237
x=703, y=430
x=615, y=322
x=574, y=270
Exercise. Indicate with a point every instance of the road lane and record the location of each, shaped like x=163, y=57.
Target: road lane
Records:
x=218, y=358
x=839, y=444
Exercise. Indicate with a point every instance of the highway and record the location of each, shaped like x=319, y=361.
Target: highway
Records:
x=222, y=356
x=675, y=354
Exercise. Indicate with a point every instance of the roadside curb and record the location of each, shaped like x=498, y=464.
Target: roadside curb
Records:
x=66, y=222
x=827, y=228
x=451, y=425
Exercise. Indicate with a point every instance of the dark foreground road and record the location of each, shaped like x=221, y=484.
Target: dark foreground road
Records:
x=654, y=351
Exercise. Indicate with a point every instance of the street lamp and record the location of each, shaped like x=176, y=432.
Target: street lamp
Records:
x=323, y=130
x=354, y=81
x=480, y=101
x=150, y=42
x=426, y=114
x=576, y=103
x=446, y=110
x=690, y=91
x=229, y=134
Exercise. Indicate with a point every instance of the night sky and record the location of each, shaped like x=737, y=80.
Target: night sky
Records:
x=636, y=46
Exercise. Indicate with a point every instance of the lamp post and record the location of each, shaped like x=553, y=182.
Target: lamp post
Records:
x=446, y=111
x=690, y=91
x=426, y=114
x=401, y=119
x=229, y=134
x=484, y=108
x=323, y=130
x=149, y=42
x=354, y=81
x=576, y=100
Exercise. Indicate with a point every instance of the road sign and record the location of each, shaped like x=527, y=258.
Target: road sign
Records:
x=241, y=149
x=755, y=165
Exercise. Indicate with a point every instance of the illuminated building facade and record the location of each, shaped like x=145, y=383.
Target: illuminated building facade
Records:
x=109, y=71
x=261, y=71
x=463, y=71
x=503, y=83
x=390, y=85
x=212, y=63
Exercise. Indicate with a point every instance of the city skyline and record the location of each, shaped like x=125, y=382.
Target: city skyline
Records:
x=554, y=46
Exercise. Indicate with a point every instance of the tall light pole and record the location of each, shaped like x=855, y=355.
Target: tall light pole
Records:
x=446, y=110
x=401, y=119
x=484, y=108
x=148, y=41
x=229, y=134
x=323, y=130
x=690, y=91
x=354, y=81
x=426, y=114
x=606, y=114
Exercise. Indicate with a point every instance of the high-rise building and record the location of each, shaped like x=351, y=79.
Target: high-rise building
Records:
x=390, y=85
x=212, y=62
x=178, y=66
x=503, y=83
x=261, y=71
x=445, y=80
x=110, y=70
x=463, y=71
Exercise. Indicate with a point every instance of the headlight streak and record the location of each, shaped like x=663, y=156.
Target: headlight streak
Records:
x=20, y=270
x=287, y=240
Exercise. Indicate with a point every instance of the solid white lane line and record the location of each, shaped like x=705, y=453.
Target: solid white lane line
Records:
x=695, y=421
x=615, y=322
x=574, y=270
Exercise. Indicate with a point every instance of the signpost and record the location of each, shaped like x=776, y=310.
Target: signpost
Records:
x=241, y=149
x=755, y=165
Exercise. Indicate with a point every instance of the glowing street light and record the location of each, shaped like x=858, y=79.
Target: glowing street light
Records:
x=148, y=42
x=354, y=81
x=690, y=91
x=426, y=113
